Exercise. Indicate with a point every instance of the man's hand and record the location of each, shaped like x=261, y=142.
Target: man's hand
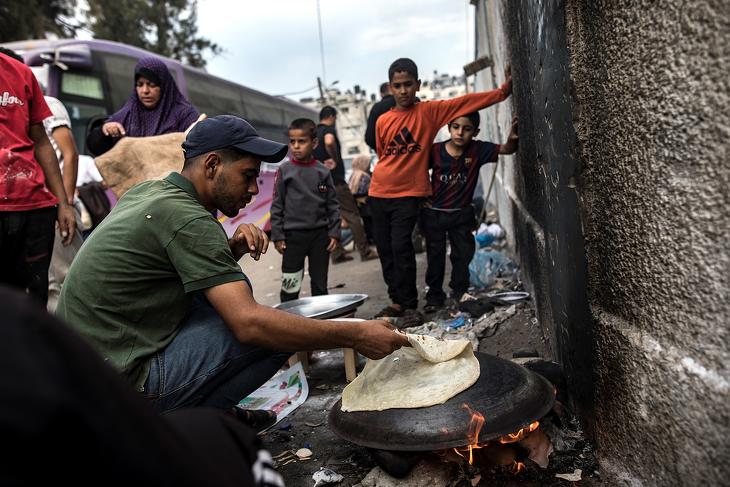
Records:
x=113, y=129
x=66, y=222
x=510, y=147
x=280, y=246
x=248, y=238
x=329, y=163
x=378, y=339
x=332, y=245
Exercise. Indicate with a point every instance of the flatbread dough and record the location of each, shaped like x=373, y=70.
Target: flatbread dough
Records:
x=431, y=372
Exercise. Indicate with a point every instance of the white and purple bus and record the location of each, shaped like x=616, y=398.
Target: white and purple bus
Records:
x=93, y=78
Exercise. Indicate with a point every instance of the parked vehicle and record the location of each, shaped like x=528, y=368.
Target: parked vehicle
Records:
x=93, y=78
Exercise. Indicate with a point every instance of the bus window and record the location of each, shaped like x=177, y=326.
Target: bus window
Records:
x=81, y=113
x=82, y=85
x=213, y=96
x=120, y=75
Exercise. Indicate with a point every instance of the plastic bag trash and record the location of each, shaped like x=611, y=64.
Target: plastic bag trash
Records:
x=486, y=234
x=325, y=476
x=486, y=266
x=455, y=323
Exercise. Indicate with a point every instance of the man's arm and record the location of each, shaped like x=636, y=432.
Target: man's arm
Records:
x=370, y=131
x=276, y=330
x=46, y=157
x=330, y=145
x=65, y=140
x=276, y=214
x=333, y=209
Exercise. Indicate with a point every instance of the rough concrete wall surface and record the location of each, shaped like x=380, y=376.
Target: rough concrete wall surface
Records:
x=620, y=189
x=651, y=106
x=536, y=193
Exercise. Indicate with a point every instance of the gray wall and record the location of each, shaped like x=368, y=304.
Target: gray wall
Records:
x=617, y=205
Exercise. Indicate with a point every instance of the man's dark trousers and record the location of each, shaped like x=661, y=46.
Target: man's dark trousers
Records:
x=436, y=225
x=312, y=245
x=26, y=246
x=350, y=213
x=393, y=223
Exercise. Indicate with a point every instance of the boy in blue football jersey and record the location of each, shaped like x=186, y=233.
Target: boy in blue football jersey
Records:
x=455, y=168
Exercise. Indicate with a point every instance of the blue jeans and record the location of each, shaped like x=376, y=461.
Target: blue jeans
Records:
x=205, y=365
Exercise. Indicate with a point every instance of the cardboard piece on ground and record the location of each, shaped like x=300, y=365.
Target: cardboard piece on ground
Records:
x=136, y=159
x=283, y=393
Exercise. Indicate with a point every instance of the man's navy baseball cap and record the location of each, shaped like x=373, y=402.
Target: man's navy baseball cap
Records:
x=230, y=132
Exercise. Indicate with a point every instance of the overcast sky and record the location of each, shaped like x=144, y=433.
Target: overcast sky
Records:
x=273, y=45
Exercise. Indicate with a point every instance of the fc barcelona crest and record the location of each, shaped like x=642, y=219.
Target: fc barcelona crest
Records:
x=468, y=161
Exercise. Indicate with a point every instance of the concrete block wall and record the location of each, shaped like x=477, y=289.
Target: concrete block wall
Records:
x=618, y=204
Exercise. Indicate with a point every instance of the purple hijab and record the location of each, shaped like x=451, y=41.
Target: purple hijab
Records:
x=174, y=113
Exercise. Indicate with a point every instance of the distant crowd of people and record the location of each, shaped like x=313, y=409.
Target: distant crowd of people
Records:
x=157, y=290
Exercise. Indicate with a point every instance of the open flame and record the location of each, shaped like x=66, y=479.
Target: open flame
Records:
x=519, y=434
x=476, y=422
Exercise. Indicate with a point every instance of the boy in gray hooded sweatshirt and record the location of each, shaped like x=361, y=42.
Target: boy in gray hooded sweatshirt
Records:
x=305, y=216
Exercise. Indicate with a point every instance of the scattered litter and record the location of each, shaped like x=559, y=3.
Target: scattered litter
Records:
x=477, y=307
x=323, y=387
x=475, y=480
x=467, y=297
x=487, y=234
x=455, y=323
x=487, y=265
x=284, y=427
x=337, y=286
x=326, y=476
x=570, y=477
x=283, y=455
x=288, y=462
x=303, y=453
x=313, y=425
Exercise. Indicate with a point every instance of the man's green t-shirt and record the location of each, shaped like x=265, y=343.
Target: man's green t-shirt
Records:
x=129, y=286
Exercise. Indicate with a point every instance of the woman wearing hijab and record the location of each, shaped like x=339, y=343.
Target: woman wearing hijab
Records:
x=359, y=184
x=155, y=107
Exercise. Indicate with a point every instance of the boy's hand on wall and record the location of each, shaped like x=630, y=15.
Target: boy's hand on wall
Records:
x=332, y=245
x=510, y=147
x=280, y=245
x=507, y=86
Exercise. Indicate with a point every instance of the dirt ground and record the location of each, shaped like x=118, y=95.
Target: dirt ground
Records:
x=307, y=426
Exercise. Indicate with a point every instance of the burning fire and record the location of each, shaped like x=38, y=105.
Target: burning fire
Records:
x=519, y=434
x=476, y=422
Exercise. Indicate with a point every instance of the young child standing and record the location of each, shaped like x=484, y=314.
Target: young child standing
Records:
x=305, y=217
x=404, y=136
x=455, y=168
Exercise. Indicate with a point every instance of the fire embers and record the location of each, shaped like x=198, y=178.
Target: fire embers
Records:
x=510, y=450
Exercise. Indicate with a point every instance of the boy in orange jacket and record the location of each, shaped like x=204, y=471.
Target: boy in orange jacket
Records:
x=404, y=136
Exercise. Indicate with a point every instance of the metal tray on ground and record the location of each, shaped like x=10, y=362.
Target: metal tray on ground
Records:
x=323, y=307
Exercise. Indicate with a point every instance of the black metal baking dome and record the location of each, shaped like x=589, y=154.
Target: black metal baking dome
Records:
x=509, y=396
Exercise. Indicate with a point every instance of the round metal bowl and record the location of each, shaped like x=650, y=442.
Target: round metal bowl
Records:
x=511, y=297
x=323, y=307
x=509, y=396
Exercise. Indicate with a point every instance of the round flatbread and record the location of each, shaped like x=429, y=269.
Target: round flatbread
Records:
x=431, y=372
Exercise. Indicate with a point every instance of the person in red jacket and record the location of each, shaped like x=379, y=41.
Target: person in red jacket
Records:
x=400, y=181
x=32, y=197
